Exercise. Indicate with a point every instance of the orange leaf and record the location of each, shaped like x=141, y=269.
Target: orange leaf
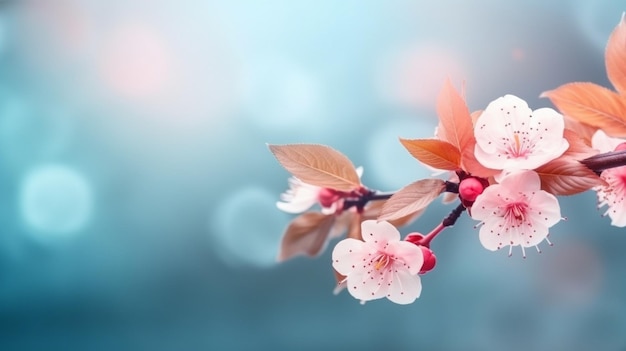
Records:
x=583, y=130
x=435, y=153
x=411, y=199
x=566, y=176
x=455, y=123
x=306, y=234
x=593, y=105
x=578, y=148
x=471, y=164
x=318, y=165
x=615, y=57
x=475, y=115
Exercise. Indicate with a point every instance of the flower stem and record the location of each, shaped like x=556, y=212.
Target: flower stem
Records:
x=453, y=216
x=447, y=222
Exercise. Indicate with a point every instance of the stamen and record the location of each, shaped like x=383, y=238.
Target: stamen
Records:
x=517, y=143
x=381, y=262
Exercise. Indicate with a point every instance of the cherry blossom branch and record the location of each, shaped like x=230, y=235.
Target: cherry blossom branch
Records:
x=453, y=216
x=447, y=222
x=601, y=162
x=359, y=201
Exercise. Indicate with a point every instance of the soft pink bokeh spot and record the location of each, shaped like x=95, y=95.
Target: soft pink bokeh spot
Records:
x=136, y=61
x=414, y=76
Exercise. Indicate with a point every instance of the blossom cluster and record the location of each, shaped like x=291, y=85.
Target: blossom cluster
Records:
x=505, y=166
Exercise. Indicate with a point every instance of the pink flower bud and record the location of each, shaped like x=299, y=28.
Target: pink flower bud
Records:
x=327, y=197
x=415, y=238
x=429, y=256
x=429, y=260
x=470, y=188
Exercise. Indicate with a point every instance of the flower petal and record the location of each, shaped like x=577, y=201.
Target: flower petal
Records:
x=407, y=254
x=297, y=206
x=604, y=143
x=379, y=232
x=364, y=286
x=299, y=197
x=404, y=288
x=491, y=235
x=521, y=182
x=546, y=208
x=347, y=255
x=614, y=195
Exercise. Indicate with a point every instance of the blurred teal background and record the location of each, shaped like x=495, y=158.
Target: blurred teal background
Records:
x=137, y=194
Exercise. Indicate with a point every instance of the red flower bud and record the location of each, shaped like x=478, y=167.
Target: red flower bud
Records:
x=429, y=256
x=429, y=260
x=470, y=188
x=415, y=238
x=327, y=197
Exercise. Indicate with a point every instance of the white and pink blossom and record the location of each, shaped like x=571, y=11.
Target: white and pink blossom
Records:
x=515, y=212
x=509, y=135
x=613, y=194
x=381, y=265
x=299, y=197
x=302, y=196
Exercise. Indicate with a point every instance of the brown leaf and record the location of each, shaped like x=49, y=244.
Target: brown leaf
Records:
x=318, y=165
x=306, y=234
x=593, y=105
x=373, y=208
x=435, y=153
x=566, y=176
x=412, y=198
x=578, y=148
x=615, y=57
x=455, y=123
x=354, y=230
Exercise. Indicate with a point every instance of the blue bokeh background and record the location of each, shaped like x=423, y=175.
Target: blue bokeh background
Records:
x=137, y=194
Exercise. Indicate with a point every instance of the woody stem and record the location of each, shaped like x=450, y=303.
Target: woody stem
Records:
x=601, y=162
x=447, y=222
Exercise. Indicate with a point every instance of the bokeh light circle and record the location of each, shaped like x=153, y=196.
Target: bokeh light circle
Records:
x=56, y=199
x=247, y=227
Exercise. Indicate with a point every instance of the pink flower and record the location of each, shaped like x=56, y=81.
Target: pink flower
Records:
x=515, y=212
x=299, y=197
x=509, y=135
x=380, y=266
x=613, y=194
x=302, y=196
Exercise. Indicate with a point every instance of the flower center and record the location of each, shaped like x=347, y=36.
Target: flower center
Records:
x=516, y=211
x=518, y=149
x=381, y=261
